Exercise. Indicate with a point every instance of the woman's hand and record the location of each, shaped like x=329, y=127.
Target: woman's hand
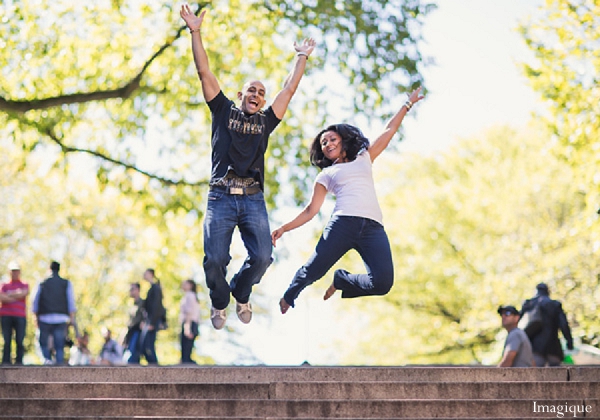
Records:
x=187, y=331
x=415, y=96
x=277, y=233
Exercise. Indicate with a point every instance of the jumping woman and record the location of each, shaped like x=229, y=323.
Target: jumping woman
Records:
x=345, y=157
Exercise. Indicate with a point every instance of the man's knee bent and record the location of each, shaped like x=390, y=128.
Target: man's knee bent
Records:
x=260, y=260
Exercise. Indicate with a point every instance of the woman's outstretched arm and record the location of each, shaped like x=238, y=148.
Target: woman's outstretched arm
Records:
x=382, y=141
x=311, y=209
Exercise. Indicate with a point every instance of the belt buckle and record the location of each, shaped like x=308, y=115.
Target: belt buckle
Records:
x=236, y=191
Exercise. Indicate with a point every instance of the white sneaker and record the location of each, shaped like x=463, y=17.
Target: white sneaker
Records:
x=244, y=312
x=218, y=317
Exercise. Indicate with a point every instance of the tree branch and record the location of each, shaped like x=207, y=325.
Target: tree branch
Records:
x=167, y=181
x=435, y=308
x=458, y=252
x=124, y=92
x=484, y=338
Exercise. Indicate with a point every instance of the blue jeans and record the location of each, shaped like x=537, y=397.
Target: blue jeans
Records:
x=59, y=334
x=16, y=323
x=342, y=234
x=224, y=212
x=134, y=348
x=148, y=346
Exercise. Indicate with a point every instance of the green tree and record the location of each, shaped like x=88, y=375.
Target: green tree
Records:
x=565, y=40
x=474, y=228
x=114, y=79
x=103, y=240
x=106, y=135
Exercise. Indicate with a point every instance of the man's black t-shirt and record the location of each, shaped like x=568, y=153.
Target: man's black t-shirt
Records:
x=239, y=141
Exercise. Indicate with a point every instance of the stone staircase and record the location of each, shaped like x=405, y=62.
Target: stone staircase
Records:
x=306, y=392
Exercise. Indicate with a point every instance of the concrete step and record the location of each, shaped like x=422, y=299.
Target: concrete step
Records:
x=259, y=418
x=285, y=393
x=306, y=409
x=305, y=390
x=264, y=374
x=251, y=418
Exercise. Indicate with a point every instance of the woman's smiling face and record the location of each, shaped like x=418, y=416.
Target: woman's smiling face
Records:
x=332, y=147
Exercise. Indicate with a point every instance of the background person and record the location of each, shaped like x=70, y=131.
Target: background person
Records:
x=136, y=316
x=517, y=348
x=54, y=309
x=13, y=314
x=111, y=353
x=80, y=354
x=547, y=349
x=154, y=316
x=189, y=318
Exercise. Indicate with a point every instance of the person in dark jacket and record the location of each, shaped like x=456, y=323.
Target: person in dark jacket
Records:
x=54, y=309
x=547, y=349
x=136, y=316
x=153, y=319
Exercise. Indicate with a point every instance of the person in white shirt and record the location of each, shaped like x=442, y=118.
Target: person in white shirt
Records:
x=189, y=317
x=345, y=157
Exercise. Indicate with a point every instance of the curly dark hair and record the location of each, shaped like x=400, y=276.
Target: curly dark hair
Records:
x=353, y=141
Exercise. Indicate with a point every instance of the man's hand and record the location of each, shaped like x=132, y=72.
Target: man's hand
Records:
x=307, y=46
x=192, y=21
x=282, y=99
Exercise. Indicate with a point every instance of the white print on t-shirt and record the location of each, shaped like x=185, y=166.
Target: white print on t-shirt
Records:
x=240, y=123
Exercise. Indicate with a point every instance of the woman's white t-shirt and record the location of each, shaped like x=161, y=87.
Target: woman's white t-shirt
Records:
x=352, y=185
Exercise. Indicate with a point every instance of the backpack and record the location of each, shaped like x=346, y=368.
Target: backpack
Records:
x=532, y=321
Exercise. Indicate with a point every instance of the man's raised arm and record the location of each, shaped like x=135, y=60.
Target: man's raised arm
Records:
x=210, y=85
x=283, y=98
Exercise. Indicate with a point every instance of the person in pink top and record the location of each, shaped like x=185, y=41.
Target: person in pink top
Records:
x=13, y=313
x=346, y=156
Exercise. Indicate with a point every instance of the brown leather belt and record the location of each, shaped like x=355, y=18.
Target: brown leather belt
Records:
x=254, y=189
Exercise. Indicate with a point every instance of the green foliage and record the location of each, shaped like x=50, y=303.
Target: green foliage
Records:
x=106, y=137
x=103, y=240
x=481, y=225
x=474, y=228
x=115, y=80
x=565, y=39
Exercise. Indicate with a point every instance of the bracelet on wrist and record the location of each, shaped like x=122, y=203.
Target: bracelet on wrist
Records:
x=194, y=30
x=408, y=104
x=302, y=53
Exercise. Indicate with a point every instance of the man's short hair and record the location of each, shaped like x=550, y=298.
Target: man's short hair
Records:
x=54, y=267
x=151, y=271
x=136, y=285
x=542, y=288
